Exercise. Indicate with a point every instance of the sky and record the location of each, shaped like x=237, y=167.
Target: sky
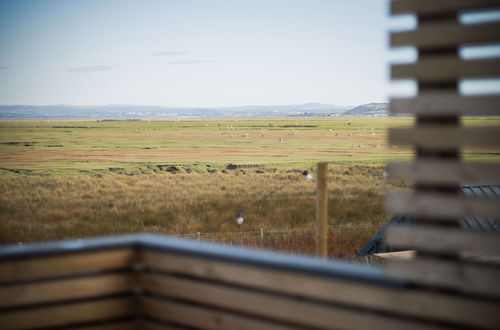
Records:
x=193, y=53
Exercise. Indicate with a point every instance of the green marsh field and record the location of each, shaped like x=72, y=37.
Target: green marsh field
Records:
x=76, y=179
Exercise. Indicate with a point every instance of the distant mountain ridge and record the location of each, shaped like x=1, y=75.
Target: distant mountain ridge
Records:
x=159, y=112
x=370, y=109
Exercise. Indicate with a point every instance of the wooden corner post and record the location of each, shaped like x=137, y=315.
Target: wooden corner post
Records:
x=322, y=210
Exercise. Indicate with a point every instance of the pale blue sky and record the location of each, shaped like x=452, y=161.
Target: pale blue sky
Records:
x=193, y=52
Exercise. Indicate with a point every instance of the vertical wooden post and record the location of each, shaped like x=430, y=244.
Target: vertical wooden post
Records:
x=261, y=233
x=322, y=210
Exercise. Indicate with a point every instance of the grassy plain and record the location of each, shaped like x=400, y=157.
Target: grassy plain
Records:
x=74, y=179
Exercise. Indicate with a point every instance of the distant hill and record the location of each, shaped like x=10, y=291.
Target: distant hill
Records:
x=370, y=109
x=158, y=112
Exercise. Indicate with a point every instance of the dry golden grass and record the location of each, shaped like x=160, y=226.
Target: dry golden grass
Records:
x=40, y=208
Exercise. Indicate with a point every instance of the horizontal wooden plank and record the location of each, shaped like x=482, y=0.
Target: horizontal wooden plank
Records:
x=66, y=314
x=436, y=7
x=416, y=303
x=144, y=324
x=408, y=254
x=63, y=265
x=445, y=69
x=441, y=137
x=64, y=289
x=443, y=240
x=442, y=206
x=200, y=317
x=287, y=309
x=439, y=104
x=448, y=172
x=116, y=325
x=433, y=35
x=465, y=277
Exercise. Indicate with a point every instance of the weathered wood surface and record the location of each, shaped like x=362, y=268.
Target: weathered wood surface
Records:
x=412, y=303
x=61, y=289
x=322, y=210
x=209, y=286
x=200, y=317
x=271, y=306
x=443, y=240
x=447, y=34
x=65, y=264
x=446, y=69
x=441, y=206
x=438, y=7
x=446, y=137
x=70, y=313
x=438, y=104
x=459, y=275
x=448, y=172
x=116, y=325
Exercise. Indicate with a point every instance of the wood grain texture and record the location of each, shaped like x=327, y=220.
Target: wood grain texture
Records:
x=435, y=7
x=445, y=171
x=458, y=275
x=440, y=137
x=201, y=317
x=440, y=206
x=429, y=238
x=64, y=289
x=286, y=309
x=447, y=34
x=446, y=69
x=438, y=104
x=65, y=264
x=413, y=303
x=66, y=314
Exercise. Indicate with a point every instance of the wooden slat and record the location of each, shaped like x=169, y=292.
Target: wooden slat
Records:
x=117, y=325
x=441, y=137
x=60, y=315
x=415, y=303
x=450, y=172
x=443, y=240
x=446, y=103
x=435, y=7
x=200, y=317
x=288, y=309
x=63, y=265
x=466, y=277
x=156, y=325
x=442, y=206
x=445, y=69
x=64, y=289
x=447, y=34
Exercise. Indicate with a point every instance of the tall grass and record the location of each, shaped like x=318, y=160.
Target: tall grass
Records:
x=40, y=208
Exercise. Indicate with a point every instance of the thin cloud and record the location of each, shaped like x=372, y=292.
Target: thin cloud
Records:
x=92, y=68
x=187, y=62
x=170, y=52
x=3, y=67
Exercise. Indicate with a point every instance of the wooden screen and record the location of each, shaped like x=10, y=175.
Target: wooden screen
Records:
x=446, y=256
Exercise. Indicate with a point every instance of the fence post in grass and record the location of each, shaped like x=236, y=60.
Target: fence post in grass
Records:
x=261, y=233
x=322, y=210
